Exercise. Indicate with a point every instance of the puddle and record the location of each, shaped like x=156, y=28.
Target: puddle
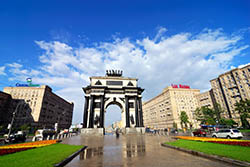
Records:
x=91, y=152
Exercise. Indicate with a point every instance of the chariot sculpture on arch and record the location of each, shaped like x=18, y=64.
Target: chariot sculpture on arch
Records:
x=110, y=89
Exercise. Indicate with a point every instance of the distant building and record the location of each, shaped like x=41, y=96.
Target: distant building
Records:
x=45, y=107
x=231, y=87
x=205, y=99
x=164, y=110
x=117, y=124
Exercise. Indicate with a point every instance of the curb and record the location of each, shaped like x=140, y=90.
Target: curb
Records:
x=68, y=159
x=214, y=157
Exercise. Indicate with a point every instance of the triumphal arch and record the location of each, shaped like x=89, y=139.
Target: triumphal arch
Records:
x=111, y=89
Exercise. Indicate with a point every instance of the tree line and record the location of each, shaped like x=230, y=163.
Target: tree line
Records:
x=212, y=116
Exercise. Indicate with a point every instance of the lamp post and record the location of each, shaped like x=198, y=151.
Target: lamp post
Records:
x=14, y=115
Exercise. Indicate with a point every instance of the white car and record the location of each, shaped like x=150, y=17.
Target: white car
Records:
x=228, y=133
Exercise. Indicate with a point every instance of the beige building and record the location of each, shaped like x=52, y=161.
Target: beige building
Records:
x=230, y=88
x=165, y=109
x=45, y=107
x=205, y=99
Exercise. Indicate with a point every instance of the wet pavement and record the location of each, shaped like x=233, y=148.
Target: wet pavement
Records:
x=133, y=150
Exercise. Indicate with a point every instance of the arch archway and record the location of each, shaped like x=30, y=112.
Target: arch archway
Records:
x=112, y=89
x=113, y=117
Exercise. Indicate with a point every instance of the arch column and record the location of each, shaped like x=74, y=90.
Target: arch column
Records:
x=140, y=113
x=91, y=116
x=85, y=116
x=127, y=111
x=137, y=123
x=102, y=113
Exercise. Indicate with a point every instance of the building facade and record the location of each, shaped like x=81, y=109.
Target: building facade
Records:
x=163, y=111
x=42, y=105
x=5, y=110
x=231, y=87
x=205, y=99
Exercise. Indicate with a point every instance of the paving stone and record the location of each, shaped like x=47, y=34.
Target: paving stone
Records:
x=133, y=150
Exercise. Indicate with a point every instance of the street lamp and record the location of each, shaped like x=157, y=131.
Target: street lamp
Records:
x=14, y=115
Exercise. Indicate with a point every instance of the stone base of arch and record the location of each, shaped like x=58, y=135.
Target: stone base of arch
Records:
x=92, y=131
x=136, y=130
x=101, y=131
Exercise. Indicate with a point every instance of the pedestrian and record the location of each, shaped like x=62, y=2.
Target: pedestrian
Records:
x=117, y=133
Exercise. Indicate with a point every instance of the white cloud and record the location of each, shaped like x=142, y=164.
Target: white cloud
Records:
x=243, y=65
x=2, y=70
x=183, y=58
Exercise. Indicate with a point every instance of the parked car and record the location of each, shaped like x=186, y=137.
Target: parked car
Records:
x=228, y=133
x=174, y=131
x=148, y=130
x=200, y=132
x=20, y=136
x=42, y=134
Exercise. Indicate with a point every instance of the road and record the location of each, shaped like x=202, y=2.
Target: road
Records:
x=133, y=150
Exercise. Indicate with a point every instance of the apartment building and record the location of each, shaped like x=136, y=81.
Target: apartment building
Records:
x=205, y=99
x=164, y=110
x=231, y=87
x=42, y=105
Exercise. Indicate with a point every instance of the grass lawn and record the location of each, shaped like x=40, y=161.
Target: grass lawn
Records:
x=39, y=157
x=230, y=151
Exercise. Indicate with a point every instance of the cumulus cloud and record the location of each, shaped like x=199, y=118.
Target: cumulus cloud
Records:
x=182, y=58
x=2, y=70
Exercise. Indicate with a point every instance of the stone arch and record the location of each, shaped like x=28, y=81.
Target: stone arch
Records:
x=112, y=89
x=106, y=105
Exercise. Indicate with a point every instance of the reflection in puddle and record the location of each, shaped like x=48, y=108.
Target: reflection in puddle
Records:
x=135, y=150
x=115, y=151
x=91, y=152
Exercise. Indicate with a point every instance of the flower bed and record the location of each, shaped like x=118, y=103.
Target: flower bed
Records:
x=216, y=140
x=25, y=146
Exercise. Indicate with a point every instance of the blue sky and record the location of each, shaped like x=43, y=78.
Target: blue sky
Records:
x=62, y=43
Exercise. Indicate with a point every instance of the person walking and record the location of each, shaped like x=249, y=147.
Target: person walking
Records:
x=117, y=133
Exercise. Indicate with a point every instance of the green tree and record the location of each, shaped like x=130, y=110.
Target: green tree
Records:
x=243, y=108
x=184, y=119
x=217, y=111
x=199, y=115
x=228, y=122
x=207, y=115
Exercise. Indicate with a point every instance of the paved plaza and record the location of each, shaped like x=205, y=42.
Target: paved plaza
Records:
x=133, y=150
